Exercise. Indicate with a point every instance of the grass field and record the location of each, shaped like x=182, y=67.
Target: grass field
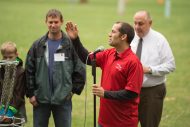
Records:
x=23, y=21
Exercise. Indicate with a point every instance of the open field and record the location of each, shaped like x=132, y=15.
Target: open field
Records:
x=23, y=21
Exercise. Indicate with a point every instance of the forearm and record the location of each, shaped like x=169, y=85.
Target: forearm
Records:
x=166, y=61
x=120, y=95
x=30, y=76
x=81, y=51
x=30, y=85
x=163, y=69
x=78, y=77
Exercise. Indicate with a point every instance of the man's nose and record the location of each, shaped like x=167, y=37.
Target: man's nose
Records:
x=53, y=24
x=109, y=34
x=8, y=59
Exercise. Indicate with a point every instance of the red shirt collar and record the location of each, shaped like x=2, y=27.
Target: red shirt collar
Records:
x=123, y=54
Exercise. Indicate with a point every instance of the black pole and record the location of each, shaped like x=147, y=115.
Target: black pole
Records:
x=94, y=80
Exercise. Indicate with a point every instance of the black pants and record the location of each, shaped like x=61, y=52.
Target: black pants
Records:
x=151, y=105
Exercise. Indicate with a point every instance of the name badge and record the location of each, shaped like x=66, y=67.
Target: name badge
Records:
x=59, y=57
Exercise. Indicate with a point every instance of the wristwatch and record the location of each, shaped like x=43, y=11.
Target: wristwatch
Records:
x=149, y=70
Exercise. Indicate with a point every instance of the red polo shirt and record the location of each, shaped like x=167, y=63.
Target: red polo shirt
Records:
x=119, y=71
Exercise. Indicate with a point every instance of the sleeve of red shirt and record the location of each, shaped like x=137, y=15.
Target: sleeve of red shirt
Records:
x=134, y=77
x=100, y=58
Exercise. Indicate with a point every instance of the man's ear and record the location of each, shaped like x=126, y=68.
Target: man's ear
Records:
x=16, y=54
x=150, y=22
x=62, y=21
x=124, y=37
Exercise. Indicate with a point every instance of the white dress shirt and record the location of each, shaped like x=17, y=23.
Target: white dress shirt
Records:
x=156, y=54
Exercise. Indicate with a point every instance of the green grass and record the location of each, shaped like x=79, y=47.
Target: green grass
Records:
x=23, y=21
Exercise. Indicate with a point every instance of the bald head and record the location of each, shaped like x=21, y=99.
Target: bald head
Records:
x=142, y=23
x=144, y=14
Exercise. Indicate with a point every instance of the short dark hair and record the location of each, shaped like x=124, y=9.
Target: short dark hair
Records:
x=126, y=28
x=54, y=13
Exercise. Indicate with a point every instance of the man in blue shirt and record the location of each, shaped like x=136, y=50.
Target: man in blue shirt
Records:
x=54, y=72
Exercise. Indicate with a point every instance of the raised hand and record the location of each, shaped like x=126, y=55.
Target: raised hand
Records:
x=71, y=30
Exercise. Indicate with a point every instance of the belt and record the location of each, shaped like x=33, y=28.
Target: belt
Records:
x=153, y=86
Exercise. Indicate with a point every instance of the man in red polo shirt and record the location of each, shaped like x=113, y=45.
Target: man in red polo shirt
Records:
x=122, y=76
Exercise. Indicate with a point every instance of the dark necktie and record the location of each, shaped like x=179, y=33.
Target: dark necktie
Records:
x=139, y=49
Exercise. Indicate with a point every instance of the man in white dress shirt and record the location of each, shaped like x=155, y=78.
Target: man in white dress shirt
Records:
x=157, y=60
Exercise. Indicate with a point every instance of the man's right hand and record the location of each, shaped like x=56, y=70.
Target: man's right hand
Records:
x=71, y=30
x=33, y=101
